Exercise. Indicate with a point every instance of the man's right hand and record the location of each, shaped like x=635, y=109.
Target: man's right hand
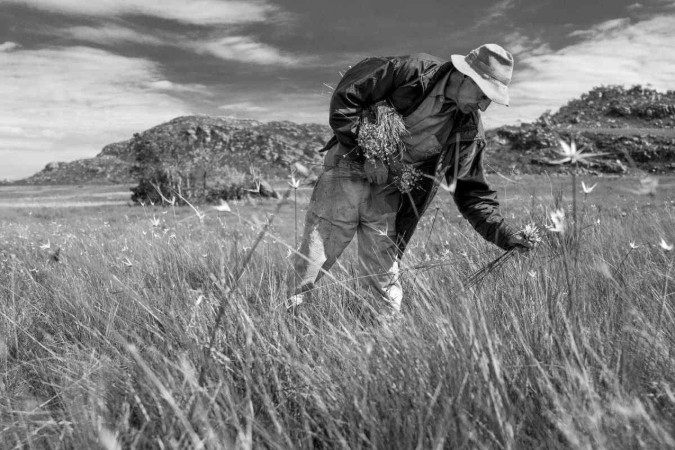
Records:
x=376, y=171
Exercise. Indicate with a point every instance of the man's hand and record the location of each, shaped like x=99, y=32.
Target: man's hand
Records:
x=518, y=242
x=376, y=171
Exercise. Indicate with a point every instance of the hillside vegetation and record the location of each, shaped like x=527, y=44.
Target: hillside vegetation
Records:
x=212, y=144
x=634, y=129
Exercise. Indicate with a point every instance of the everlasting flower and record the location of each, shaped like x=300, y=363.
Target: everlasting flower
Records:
x=155, y=221
x=570, y=153
x=587, y=190
x=666, y=246
x=531, y=234
x=294, y=183
x=633, y=245
x=558, y=220
x=224, y=207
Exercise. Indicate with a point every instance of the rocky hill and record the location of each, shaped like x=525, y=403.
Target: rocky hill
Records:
x=635, y=128
x=236, y=144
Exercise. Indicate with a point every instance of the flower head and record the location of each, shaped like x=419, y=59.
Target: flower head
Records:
x=570, y=153
x=224, y=207
x=294, y=183
x=587, y=190
x=666, y=246
x=558, y=220
x=531, y=234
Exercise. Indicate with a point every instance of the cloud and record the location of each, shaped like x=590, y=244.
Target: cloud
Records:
x=243, y=107
x=201, y=12
x=602, y=28
x=245, y=49
x=62, y=103
x=266, y=105
x=613, y=53
x=8, y=46
x=109, y=34
x=495, y=12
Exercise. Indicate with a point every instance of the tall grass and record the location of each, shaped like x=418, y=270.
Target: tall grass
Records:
x=104, y=347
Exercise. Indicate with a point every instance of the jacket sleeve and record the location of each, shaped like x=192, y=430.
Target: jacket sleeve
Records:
x=478, y=203
x=367, y=83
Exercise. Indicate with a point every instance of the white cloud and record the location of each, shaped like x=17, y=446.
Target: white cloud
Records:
x=65, y=103
x=265, y=105
x=495, y=12
x=203, y=12
x=109, y=34
x=243, y=107
x=602, y=28
x=169, y=86
x=618, y=53
x=8, y=46
x=245, y=49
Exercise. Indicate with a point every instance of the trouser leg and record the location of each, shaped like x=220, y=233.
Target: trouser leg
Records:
x=377, y=244
x=330, y=224
x=323, y=241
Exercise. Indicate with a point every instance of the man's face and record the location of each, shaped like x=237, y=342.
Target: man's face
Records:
x=470, y=97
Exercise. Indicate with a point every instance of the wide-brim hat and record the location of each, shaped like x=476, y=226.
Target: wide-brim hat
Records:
x=491, y=67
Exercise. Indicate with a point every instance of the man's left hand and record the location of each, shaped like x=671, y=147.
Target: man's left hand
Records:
x=518, y=242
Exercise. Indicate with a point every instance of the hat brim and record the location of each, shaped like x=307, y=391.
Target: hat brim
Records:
x=495, y=91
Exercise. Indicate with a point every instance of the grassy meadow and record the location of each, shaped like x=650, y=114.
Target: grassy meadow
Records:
x=108, y=309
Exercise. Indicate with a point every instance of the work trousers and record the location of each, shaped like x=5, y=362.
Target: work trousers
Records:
x=344, y=203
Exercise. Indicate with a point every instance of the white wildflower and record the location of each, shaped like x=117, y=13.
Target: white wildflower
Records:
x=223, y=206
x=570, y=153
x=558, y=220
x=587, y=190
x=294, y=183
x=666, y=246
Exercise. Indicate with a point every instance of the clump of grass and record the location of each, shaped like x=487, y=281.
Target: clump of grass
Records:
x=95, y=352
x=381, y=139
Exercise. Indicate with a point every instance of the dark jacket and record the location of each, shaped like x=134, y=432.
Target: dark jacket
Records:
x=403, y=82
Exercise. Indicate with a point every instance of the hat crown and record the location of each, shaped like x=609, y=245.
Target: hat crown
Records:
x=492, y=61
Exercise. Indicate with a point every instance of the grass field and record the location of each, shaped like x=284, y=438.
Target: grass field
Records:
x=107, y=310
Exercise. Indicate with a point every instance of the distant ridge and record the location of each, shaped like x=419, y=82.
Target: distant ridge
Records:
x=635, y=126
x=240, y=144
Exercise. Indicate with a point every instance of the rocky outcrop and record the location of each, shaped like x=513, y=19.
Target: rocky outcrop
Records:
x=633, y=128
x=238, y=144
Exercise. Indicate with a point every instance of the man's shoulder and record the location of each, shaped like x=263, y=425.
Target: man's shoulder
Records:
x=425, y=57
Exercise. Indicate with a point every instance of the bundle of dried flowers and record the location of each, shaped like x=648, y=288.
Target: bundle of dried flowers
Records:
x=381, y=139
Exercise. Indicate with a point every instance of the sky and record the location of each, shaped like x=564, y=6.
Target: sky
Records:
x=76, y=75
